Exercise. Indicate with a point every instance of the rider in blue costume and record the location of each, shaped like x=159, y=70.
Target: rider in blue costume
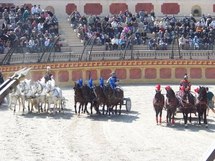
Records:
x=112, y=83
x=80, y=82
x=90, y=83
x=101, y=82
x=112, y=80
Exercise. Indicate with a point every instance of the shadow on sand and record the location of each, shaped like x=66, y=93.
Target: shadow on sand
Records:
x=126, y=117
x=193, y=126
x=66, y=114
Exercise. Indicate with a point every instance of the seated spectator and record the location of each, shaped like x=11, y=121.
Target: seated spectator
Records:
x=38, y=10
x=182, y=42
x=25, y=15
x=196, y=43
x=212, y=24
x=108, y=45
x=1, y=47
x=167, y=37
x=190, y=42
x=31, y=45
x=205, y=43
x=138, y=39
x=47, y=43
x=144, y=37
x=115, y=42
x=40, y=27
x=199, y=29
x=98, y=40
x=5, y=16
x=162, y=45
x=122, y=43
x=152, y=45
x=208, y=20
x=34, y=10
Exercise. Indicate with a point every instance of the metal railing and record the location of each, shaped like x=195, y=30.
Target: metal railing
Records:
x=116, y=55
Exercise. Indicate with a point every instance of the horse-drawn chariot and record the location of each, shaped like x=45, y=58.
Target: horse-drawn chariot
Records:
x=100, y=96
x=32, y=94
x=185, y=102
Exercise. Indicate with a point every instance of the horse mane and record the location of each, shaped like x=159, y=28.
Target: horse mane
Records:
x=158, y=94
x=170, y=93
x=158, y=97
x=42, y=81
x=87, y=92
x=202, y=94
x=51, y=83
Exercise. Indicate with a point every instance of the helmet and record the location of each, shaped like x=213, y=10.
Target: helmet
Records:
x=158, y=87
x=185, y=76
x=196, y=90
x=113, y=74
x=48, y=68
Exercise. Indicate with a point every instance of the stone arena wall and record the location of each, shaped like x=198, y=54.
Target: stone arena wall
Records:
x=129, y=71
x=106, y=7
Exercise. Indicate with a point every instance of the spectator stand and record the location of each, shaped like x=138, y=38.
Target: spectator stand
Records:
x=32, y=26
x=162, y=33
x=50, y=50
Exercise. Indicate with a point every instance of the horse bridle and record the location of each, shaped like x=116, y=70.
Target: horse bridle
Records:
x=39, y=85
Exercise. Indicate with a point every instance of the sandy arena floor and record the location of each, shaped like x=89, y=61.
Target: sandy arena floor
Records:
x=133, y=136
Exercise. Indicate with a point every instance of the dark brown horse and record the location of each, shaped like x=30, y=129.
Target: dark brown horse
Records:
x=158, y=103
x=101, y=98
x=114, y=98
x=78, y=98
x=171, y=105
x=201, y=105
x=90, y=98
x=186, y=104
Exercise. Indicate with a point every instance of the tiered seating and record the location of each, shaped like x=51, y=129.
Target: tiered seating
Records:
x=145, y=33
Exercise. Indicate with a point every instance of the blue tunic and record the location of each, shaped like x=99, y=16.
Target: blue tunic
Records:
x=101, y=82
x=112, y=83
x=90, y=83
x=80, y=83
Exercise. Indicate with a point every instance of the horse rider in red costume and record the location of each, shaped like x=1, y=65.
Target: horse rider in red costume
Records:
x=185, y=85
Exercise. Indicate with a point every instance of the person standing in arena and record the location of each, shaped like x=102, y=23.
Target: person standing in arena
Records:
x=210, y=98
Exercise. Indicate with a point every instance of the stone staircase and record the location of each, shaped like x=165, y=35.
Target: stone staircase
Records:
x=69, y=40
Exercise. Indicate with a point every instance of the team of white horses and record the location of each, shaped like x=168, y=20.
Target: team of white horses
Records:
x=37, y=95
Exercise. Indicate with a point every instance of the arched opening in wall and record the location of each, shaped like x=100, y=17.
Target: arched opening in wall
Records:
x=196, y=11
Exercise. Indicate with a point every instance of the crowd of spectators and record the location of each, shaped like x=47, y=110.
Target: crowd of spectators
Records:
x=27, y=29
x=158, y=33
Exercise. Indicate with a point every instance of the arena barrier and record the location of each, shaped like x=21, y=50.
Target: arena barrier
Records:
x=128, y=71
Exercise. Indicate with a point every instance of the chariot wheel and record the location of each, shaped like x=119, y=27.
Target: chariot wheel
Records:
x=127, y=104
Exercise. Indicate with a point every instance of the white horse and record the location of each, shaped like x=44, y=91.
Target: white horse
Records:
x=40, y=88
x=54, y=95
x=27, y=87
x=16, y=95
